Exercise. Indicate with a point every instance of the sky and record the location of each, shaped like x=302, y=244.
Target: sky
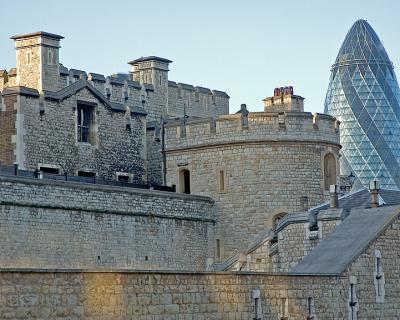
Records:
x=246, y=48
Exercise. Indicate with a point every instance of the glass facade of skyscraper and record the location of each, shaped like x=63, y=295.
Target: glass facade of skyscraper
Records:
x=364, y=95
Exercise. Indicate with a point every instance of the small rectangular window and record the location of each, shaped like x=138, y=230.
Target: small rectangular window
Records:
x=221, y=181
x=86, y=174
x=29, y=58
x=122, y=178
x=218, y=249
x=49, y=170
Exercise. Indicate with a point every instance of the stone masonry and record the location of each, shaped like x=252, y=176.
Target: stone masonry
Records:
x=45, y=224
x=268, y=160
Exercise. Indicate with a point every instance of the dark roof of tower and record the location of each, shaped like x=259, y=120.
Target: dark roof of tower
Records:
x=36, y=34
x=149, y=58
x=362, y=45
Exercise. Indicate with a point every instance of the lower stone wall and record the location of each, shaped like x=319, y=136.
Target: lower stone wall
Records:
x=48, y=224
x=135, y=295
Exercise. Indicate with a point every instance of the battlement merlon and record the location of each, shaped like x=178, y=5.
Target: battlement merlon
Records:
x=252, y=127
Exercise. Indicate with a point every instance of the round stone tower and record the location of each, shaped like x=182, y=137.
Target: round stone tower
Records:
x=255, y=165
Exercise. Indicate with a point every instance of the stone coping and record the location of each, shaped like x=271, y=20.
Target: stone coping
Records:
x=164, y=272
x=245, y=141
x=252, y=115
x=104, y=188
x=37, y=34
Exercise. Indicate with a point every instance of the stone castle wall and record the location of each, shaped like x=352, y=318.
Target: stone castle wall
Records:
x=80, y=294
x=267, y=166
x=184, y=99
x=45, y=224
x=155, y=159
x=50, y=138
x=8, y=117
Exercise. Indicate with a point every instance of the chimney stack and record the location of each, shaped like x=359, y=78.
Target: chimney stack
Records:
x=334, y=196
x=374, y=187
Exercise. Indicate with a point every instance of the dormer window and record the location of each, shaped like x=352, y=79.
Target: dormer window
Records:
x=85, y=124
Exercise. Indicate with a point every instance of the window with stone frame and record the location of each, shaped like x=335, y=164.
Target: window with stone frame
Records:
x=329, y=170
x=379, y=278
x=85, y=123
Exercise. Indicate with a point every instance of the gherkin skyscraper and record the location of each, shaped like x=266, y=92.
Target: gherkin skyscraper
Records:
x=364, y=95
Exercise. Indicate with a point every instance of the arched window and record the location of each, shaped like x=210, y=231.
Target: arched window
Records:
x=329, y=170
x=184, y=181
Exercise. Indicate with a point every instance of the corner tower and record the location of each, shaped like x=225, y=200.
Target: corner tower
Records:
x=38, y=60
x=363, y=94
x=154, y=71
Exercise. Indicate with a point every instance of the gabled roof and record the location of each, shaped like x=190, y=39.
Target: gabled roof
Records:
x=83, y=83
x=361, y=199
x=347, y=241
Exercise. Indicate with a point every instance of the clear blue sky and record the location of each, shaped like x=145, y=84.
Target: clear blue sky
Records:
x=245, y=48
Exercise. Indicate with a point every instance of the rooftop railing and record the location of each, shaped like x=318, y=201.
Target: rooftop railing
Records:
x=15, y=171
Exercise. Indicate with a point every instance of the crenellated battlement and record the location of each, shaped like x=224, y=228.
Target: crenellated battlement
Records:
x=147, y=86
x=253, y=127
x=188, y=100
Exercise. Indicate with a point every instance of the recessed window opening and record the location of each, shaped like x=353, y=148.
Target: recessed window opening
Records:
x=29, y=58
x=184, y=181
x=379, y=278
x=221, y=181
x=284, y=309
x=353, y=302
x=310, y=308
x=123, y=178
x=329, y=170
x=218, y=248
x=49, y=170
x=87, y=174
x=85, y=123
x=49, y=58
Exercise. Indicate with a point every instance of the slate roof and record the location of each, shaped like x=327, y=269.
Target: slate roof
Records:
x=82, y=83
x=347, y=241
x=77, y=73
x=64, y=70
x=172, y=84
x=35, y=34
x=23, y=91
x=116, y=80
x=149, y=58
x=361, y=199
x=134, y=84
x=96, y=77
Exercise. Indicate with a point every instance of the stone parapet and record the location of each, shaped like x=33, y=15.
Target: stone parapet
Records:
x=258, y=126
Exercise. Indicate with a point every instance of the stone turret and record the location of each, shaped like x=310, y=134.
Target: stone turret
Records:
x=284, y=100
x=38, y=60
x=153, y=71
